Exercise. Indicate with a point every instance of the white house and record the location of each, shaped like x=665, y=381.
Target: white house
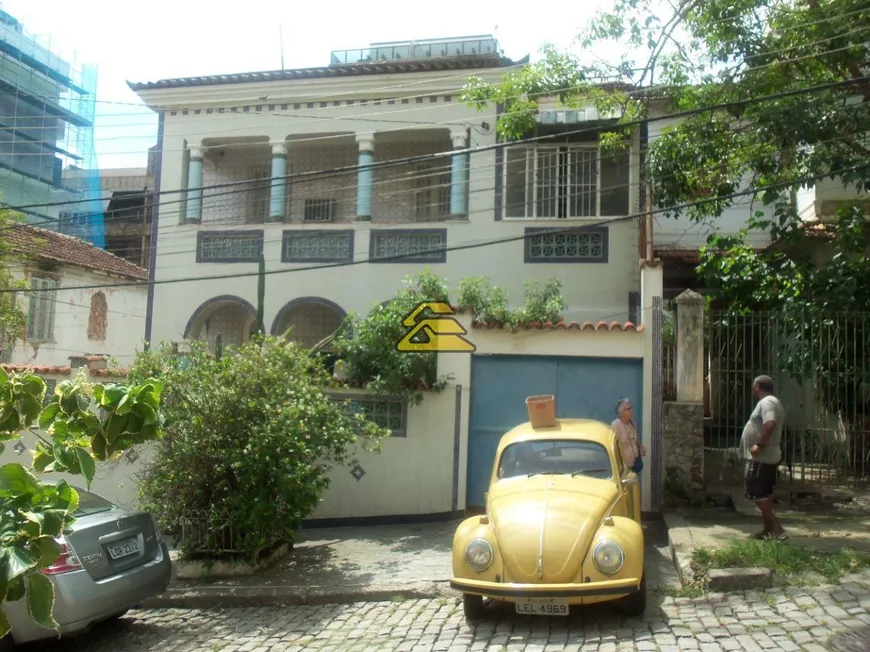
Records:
x=78, y=319
x=332, y=174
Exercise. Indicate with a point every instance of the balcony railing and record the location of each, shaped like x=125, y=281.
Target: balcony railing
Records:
x=415, y=51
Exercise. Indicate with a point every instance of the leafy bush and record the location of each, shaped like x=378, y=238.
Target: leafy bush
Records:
x=250, y=437
x=367, y=345
x=34, y=514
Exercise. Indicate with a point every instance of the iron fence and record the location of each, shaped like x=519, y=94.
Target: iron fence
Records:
x=201, y=533
x=821, y=373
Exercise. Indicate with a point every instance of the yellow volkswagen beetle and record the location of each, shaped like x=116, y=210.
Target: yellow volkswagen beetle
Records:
x=561, y=528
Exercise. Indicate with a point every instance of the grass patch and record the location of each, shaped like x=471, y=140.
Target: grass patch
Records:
x=788, y=562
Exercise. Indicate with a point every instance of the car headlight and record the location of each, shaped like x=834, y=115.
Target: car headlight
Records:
x=478, y=555
x=608, y=557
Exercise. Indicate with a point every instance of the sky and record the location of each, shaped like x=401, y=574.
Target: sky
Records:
x=157, y=39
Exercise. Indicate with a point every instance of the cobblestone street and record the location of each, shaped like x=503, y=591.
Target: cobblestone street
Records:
x=773, y=620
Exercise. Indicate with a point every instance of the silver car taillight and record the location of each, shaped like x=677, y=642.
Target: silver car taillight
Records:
x=67, y=562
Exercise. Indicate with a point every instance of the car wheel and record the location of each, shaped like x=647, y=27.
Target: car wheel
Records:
x=635, y=604
x=472, y=605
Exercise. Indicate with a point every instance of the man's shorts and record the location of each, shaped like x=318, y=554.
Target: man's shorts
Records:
x=760, y=480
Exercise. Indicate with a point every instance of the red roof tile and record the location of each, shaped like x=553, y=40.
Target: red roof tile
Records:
x=38, y=369
x=573, y=325
x=64, y=249
x=110, y=373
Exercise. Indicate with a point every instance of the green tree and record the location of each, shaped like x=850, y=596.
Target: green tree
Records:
x=250, y=438
x=739, y=70
x=72, y=438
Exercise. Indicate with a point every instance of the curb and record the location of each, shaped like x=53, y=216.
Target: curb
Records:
x=681, y=545
x=217, y=597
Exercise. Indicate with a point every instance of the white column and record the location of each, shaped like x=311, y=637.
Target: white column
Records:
x=194, y=186
x=365, y=177
x=278, y=188
x=690, y=347
x=651, y=286
x=459, y=176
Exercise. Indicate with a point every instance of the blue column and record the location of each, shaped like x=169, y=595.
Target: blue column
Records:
x=194, y=186
x=459, y=179
x=278, y=189
x=364, y=178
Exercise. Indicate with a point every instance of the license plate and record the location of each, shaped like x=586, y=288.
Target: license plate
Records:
x=542, y=607
x=123, y=548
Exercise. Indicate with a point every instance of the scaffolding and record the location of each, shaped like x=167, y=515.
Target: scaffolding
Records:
x=47, y=151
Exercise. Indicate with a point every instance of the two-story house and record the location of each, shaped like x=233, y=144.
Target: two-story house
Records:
x=268, y=162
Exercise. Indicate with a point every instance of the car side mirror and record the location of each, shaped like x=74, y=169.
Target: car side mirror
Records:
x=629, y=478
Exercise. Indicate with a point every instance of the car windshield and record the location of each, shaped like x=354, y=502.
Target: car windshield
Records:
x=555, y=457
x=90, y=503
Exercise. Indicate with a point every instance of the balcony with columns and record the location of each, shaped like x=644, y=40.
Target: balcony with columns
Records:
x=321, y=183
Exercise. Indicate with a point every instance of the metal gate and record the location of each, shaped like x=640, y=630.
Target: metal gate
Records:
x=819, y=365
x=584, y=388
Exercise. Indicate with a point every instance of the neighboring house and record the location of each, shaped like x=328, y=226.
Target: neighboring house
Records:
x=80, y=321
x=46, y=125
x=71, y=317
x=127, y=196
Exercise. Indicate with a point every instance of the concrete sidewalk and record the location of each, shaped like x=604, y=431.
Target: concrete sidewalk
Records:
x=336, y=565
x=827, y=529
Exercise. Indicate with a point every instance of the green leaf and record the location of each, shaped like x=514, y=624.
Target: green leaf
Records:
x=112, y=395
x=54, y=521
x=4, y=377
x=100, y=446
x=17, y=480
x=87, y=464
x=14, y=562
x=98, y=392
x=15, y=589
x=47, y=550
x=48, y=414
x=12, y=423
x=83, y=402
x=125, y=405
x=40, y=600
x=115, y=425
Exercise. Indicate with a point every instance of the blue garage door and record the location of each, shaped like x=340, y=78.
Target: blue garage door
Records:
x=584, y=388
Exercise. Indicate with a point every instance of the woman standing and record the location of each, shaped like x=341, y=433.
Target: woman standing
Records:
x=632, y=449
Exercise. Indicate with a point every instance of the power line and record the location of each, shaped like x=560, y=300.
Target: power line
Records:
x=573, y=229
x=494, y=146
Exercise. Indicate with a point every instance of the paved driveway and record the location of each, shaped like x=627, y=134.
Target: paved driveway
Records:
x=775, y=620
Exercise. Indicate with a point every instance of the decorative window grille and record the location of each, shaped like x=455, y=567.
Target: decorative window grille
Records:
x=229, y=246
x=386, y=412
x=41, y=309
x=575, y=181
x=588, y=245
x=317, y=246
x=408, y=246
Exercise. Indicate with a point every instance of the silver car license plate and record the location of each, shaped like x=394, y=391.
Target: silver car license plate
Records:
x=542, y=607
x=123, y=548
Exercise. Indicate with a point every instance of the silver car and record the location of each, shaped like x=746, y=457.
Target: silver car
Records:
x=114, y=559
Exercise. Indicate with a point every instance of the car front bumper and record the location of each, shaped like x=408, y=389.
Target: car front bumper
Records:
x=81, y=601
x=574, y=593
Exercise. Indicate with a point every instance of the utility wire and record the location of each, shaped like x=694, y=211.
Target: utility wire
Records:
x=485, y=148
x=411, y=256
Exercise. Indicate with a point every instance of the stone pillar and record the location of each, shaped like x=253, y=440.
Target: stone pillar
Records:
x=278, y=189
x=194, y=186
x=459, y=177
x=364, y=177
x=683, y=419
x=690, y=347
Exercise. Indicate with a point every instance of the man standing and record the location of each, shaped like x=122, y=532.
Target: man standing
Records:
x=760, y=448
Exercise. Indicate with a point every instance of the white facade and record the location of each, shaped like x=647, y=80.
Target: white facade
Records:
x=77, y=322
x=238, y=129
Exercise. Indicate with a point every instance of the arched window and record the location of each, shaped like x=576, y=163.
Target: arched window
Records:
x=98, y=320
